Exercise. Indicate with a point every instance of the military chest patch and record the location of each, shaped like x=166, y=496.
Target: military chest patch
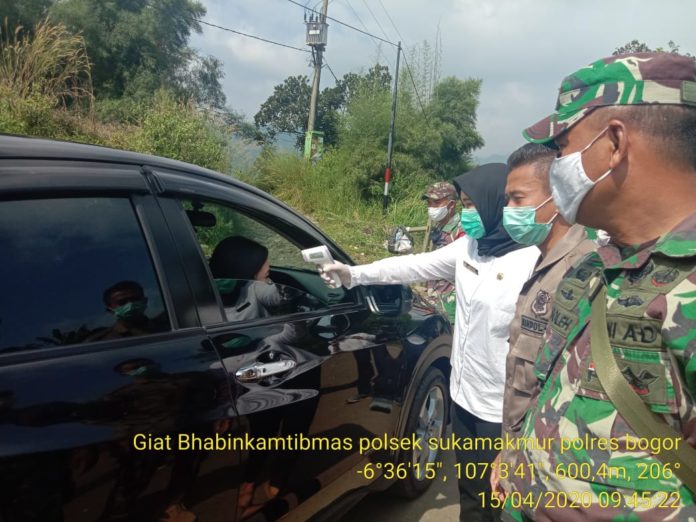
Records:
x=665, y=277
x=641, y=382
x=581, y=274
x=647, y=380
x=562, y=321
x=533, y=326
x=568, y=294
x=637, y=275
x=636, y=333
x=540, y=306
x=633, y=300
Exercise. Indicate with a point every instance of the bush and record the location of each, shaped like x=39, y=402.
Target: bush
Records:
x=328, y=194
x=121, y=110
x=177, y=130
x=36, y=115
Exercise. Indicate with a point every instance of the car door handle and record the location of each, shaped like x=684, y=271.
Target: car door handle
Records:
x=258, y=371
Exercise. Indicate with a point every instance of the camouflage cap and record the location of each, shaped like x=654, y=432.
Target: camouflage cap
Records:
x=628, y=79
x=440, y=190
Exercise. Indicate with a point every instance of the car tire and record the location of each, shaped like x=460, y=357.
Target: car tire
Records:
x=427, y=419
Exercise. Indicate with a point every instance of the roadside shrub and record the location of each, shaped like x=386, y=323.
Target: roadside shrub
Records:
x=328, y=193
x=177, y=130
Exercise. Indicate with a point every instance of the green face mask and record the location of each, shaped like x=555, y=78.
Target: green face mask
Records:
x=472, y=224
x=226, y=286
x=520, y=223
x=132, y=310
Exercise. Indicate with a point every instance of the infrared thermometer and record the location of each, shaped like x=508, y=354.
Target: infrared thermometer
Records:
x=321, y=256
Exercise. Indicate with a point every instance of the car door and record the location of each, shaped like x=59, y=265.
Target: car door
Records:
x=103, y=361
x=311, y=376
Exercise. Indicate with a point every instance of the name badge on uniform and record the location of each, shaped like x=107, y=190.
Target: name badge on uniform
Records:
x=470, y=268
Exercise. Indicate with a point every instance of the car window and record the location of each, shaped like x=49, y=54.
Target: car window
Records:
x=257, y=271
x=73, y=271
x=225, y=222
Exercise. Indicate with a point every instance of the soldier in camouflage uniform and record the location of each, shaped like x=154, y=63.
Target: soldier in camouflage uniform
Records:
x=442, y=211
x=626, y=130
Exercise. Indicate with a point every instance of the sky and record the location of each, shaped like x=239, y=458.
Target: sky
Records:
x=520, y=49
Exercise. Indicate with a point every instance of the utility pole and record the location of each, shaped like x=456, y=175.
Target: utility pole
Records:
x=317, y=30
x=390, y=144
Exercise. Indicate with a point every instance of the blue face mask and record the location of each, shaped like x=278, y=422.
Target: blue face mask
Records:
x=520, y=223
x=472, y=224
x=132, y=310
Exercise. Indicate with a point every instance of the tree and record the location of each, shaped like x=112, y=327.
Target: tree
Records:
x=25, y=13
x=633, y=46
x=453, y=107
x=287, y=109
x=135, y=46
x=636, y=46
x=201, y=82
x=432, y=143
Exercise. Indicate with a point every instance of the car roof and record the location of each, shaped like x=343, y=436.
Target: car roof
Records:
x=23, y=147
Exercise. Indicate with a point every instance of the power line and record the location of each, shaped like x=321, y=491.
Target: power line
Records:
x=391, y=21
x=375, y=18
x=343, y=23
x=251, y=36
x=418, y=97
x=377, y=46
x=330, y=70
x=408, y=67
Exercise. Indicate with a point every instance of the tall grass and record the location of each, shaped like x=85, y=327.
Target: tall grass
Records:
x=51, y=62
x=45, y=83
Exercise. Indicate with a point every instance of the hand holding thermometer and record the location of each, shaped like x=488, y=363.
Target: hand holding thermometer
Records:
x=321, y=256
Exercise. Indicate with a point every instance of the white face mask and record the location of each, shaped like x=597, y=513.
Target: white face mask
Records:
x=437, y=214
x=569, y=182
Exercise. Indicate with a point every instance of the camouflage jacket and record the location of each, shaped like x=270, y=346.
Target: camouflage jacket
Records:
x=451, y=231
x=581, y=460
x=440, y=293
x=532, y=314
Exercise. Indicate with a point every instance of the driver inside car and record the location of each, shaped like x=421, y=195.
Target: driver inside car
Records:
x=241, y=270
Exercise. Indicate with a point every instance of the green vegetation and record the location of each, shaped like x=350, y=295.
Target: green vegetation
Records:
x=327, y=194
x=121, y=74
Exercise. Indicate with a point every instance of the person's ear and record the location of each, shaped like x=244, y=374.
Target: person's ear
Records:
x=618, y=136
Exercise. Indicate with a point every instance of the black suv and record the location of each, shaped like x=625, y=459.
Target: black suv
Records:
x=135, y=386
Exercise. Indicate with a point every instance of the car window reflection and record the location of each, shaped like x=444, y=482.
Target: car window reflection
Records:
x=127, y=302
x=64, y=253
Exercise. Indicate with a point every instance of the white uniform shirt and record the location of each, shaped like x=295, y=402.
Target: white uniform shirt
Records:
x=487, y=290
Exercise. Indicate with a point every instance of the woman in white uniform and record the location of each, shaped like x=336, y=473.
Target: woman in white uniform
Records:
x=488, y=269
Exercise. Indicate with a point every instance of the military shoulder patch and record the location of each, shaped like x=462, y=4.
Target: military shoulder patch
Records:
x=540, y=306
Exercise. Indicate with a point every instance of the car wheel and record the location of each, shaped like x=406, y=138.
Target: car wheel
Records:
x=427, y=420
